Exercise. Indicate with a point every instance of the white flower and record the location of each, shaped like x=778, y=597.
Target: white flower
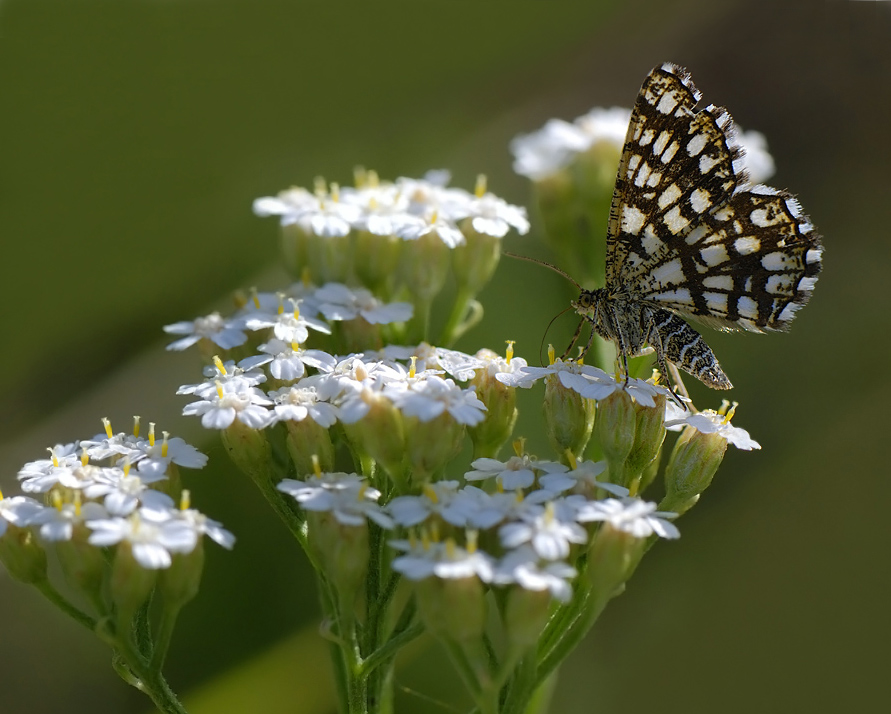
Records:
x=430, y=396
x=605, y=125
x=124, y=493
x=288, y=325
x=151, y=541
x=156, y=456
x=296, y=403
x=524, y=567
x=41, y=475
x=494, y=216
x=712, y=422
x=232, y=401
x=324, y=216
x=549, y=535
x=350, y=502
x=57, y=523
x=585, y=476
x=546, y=151
x=411, y=227
x=444, y=560
x=287, y=361
x=225, y=333
x=195, y=520
x=516, y=472
x=759, y=162
x=223, y=373
x=287, y=204
x=338, y=302
x=17, y=511
x=458, y=365
x=442, y=498
x=630, y=515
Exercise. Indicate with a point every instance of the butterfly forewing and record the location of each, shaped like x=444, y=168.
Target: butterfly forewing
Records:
x=690, y=234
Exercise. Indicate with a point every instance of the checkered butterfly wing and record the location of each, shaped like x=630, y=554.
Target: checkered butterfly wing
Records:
x=689, y=233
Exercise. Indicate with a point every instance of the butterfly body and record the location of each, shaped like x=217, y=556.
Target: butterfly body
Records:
x=691, y=237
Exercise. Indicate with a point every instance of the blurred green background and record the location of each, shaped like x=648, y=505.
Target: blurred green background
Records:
x=135, y=136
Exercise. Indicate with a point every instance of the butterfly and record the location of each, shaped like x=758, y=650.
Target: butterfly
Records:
x=690, y=236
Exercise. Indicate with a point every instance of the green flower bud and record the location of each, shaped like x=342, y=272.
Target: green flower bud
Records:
x=431, y=445
x=612, y=556
x=475, y=260
x=293, y=242
x=380, y=434
x=358, y=334
x=250, y=451
x=83, y=565
x=648, y=437
x=305, y=439
x=569, y=417
x=23, y=556
x=342, y=551
x=453, y=609
x=131, y=583
x=693, y=464
x=616, y=429
x=501, y=409
x=376, y=261
x=180, y=582
x=526, y=612
x=329, y=258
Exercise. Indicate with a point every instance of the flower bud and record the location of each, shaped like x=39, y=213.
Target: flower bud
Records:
x=380, y=434
x=616, y=430
x=526, y=612
x=568, y=415
x=83, y=565
x=424, y=267
x=305, y=439
x=131, y=583
x=250, y=451
x=501, y=414
x=329, y=258
x=376, y=261
x=648, y=437
x=693, y=464
x=180, y=582
x=431, y=445
x=23, y=556
x=294, y=240
x=612, y=556
x=475, y=260
x=342, y=550
x=453, y=609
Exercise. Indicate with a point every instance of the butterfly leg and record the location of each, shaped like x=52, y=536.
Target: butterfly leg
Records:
x=575, y=338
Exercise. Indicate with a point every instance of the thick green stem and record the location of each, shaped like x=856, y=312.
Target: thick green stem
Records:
x=50, y=593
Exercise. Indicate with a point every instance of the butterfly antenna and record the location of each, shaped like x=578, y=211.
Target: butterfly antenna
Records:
x=547, y=265
x=541, y=346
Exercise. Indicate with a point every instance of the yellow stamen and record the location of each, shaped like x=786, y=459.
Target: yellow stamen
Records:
x=373, y=179
x=306, y=276
x=509, y=352
x=296, y=304
x=434, y=217
x=360, y=496
x=107, y=424
x=581, y=357
x=164, y=444
x=472, y=540
x=185, y=500
x=450, y=548
x=425, y=539
x=731, y=412
x=519, y=445
x=84, y=457
x=320, y=188
x=480, y=189
x=55, y=458
x=126, y=466
x=573, y=462
x=316, y=466
x=57, y=500
x=281, y=303
x=413, y=368
x=151, y=433
x=1, y=494
x=335, y=192
x=723, y=408
x=295, y=346
x=434, y=532
x=219, y=388
x=552, y=354
x=360, y=177
x=239, y=299
x=430, y=493
x=218, y=363
x=255, y=297
x=77, y=504
x=549, y=512
x=135, y=425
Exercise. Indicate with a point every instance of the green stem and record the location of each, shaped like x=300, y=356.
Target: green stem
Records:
x=133, y=669
x=519, y=690
x=456, y=317
x=389, y=649
x=50, y=593
x=165, y=635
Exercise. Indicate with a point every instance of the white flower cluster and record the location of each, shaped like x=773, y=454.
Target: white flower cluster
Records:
x=108, y=485
x=290, y=314
x=534, y=527
x=555, y=146
x=340, y=388
x=408, y=208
